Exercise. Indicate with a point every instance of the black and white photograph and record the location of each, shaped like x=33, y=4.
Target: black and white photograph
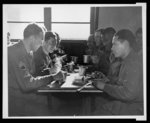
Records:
x=74, y=61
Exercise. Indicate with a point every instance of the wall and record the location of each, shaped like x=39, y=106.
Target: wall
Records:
x=120, y=17
x=75, y=48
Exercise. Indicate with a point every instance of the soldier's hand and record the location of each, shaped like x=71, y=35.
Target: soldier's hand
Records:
x=98, y=84
x=59, y=76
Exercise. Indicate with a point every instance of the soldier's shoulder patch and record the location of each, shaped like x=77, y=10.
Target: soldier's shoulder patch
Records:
x=22, y=65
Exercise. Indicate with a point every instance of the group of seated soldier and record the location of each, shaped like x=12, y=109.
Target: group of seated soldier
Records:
x=112, y=53
x=99, y=48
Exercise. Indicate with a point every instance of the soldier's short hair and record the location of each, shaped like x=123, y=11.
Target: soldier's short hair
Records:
x=110, y=30
x=58, y=38
x=32, y=29
x=49, y=35
x=102, y=31
x=91, y=38
x=126, y=34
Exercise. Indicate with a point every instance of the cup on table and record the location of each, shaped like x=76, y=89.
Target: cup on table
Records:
x=70, y=68
x=74, y=59
x=82, y=70
x=86, y=58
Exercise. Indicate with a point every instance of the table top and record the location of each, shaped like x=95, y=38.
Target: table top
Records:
x=68, y=86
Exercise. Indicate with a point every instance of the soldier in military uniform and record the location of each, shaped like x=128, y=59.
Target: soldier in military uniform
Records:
x=127, y=90
x=23, y=98
x=43, y=62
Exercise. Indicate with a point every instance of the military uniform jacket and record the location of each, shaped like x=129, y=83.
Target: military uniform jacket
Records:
x=22, y=86
x=128, y=90
x=41, y=62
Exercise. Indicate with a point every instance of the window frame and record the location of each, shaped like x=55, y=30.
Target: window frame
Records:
x=48, y=23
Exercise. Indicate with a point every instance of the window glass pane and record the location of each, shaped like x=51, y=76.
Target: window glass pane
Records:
x=69, y=13
x=72, y=31
x=16, y=30
x=25, y=13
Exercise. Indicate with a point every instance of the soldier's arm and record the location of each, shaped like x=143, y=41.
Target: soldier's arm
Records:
x=130, y=87
x=56, y=67
x=26, y=81
x=39, y=66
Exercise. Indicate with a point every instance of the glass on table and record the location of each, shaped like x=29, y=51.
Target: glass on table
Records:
x=82, y=70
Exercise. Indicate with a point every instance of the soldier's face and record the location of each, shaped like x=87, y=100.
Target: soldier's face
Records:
x=90, y=44
x=51, y=45
x=37, y=42
x=119, y=48
x=95, y=59
x=97, y=38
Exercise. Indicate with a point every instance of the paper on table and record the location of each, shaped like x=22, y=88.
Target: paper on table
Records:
x=69, y=81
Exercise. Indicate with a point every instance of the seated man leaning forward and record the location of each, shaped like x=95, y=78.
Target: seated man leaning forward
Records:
x=127, y=91
x=41, y=58
x=22, y=86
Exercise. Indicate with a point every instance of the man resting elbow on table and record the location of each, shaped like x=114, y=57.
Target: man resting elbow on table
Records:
x=22, y=86
x=47, y=64
x=43, y=63
x=127, y=91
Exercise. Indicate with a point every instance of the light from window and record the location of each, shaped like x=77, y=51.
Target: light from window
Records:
x=72, y=31
x=25, y=13
x=60, y=13
x=16, y=30
x=70, y=13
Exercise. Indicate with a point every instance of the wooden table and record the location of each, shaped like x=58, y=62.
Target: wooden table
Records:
x=68, y=86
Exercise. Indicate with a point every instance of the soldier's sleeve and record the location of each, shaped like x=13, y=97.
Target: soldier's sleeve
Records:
x=130, y=87
x=39, y=65
x=25, y=80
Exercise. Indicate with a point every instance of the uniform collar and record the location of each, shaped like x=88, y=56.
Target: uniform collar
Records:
x=23, y=49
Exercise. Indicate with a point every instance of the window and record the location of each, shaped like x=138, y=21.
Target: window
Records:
x=19, y=16
x=71, y=21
